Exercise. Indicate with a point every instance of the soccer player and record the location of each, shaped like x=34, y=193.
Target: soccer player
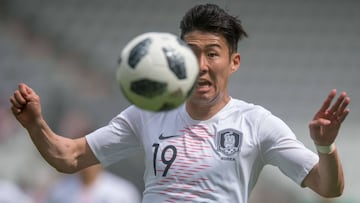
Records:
x=212, y=148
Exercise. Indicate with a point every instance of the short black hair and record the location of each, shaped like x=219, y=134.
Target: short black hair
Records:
x=211, y=18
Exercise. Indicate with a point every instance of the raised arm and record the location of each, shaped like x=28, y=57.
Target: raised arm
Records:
x=327, y=178
x=64, y=154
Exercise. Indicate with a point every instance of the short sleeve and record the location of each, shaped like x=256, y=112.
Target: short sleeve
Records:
x=281, y=148
x=114, y=141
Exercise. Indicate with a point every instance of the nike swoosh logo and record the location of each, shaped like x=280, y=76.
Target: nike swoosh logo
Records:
x=162, y=137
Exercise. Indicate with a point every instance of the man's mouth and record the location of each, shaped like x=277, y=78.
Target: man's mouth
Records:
x=203, y=82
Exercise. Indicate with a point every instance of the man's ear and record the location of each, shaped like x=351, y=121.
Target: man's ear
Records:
x=235, y=60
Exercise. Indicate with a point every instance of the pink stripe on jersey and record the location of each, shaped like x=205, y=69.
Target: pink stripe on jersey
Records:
x=183, y=183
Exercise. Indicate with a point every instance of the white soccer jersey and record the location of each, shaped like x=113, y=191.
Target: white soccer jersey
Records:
x=217, y=160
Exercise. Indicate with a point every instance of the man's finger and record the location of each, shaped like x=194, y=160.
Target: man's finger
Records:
x=15, y=110
x=328, y=101
x=316, y=124
x=336, y=105
x=342, y=117
x=343, y=107
x=14, y=102
x=19, y=98
x=25, y=90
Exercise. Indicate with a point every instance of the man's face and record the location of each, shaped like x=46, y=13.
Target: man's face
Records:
x=216, y=65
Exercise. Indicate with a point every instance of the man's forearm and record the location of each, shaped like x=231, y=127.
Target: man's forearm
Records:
x=331, y=177
x=56, y=150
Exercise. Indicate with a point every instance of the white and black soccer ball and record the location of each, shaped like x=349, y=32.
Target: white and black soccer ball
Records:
x=157, y=71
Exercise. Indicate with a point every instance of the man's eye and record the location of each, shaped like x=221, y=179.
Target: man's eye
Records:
x=212, y=54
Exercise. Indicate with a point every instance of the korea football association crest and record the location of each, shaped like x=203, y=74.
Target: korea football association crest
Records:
x=229, y=141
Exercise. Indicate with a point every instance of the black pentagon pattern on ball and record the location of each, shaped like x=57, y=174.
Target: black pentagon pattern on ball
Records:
x=176, y=62
x=138, y=52
x=148, y=88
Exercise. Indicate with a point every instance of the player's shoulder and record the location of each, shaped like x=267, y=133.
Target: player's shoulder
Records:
x=247, y=107
x=247, y=110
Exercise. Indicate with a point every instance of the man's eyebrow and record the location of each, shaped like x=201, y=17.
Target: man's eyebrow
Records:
x=206, y=46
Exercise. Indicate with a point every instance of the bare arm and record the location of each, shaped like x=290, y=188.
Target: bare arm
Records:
x=327, y=178
x=64, y=154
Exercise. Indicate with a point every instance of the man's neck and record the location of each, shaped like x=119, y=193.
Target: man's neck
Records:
x=204, y=111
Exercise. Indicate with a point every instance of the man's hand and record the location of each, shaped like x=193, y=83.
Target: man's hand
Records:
x=326, y=123
x=26, y=106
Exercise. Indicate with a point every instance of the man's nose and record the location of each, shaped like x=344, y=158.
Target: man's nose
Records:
x=203, y=63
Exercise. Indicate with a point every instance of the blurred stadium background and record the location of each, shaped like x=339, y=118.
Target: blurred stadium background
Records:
x=67, y=51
